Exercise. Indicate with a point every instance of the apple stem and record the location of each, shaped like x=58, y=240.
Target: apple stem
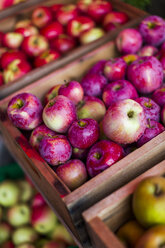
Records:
x=158, y=191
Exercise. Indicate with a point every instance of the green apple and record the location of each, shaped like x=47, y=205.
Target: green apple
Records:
x=5, y=232
x=9, y=193
x=25, y=246
x=26, y=191
x=23, y=235
x=130, y=233
x=153, y=238
x=149, y=201
x=61, y=234
x=19, y=215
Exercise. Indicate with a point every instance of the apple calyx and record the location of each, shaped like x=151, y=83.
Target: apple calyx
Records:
x=162, y=90
x=158, y=191
x=148, y=104
x=82, y=123
x=80, y=104
x=151, y=25
x=19, y=104
x=51, y=103
x=117, y=87
x=130, y=114
x=97, y=155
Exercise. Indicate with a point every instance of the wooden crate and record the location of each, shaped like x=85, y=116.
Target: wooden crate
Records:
x=70, y=207
x=105, y=217
x=7, y=24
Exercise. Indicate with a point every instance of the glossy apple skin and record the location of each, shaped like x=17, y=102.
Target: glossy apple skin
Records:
x=59, y=114
x=91, y=35
x=154, y=237
x=98, y=9
x=52, y=30
x=9, y=194
x=73, y=90
x=25, y=111
x=46, y=57
x=27, y=31
x=152, y=213
x=83, y=133
x=102, y=155
x=91, y=107
x=11, y=55
x=148, y=51
x=130, y=58
x=38, y=201
x=115, y=69
x=159, y=96
x=152, y=130
x=152, y=28
x=98, y=68
x=73, y=173
x=43, y=219
x=23, y=235
x=38, y=134
x=63, y=43
x=19, y=215
x=53, y=92
x=79, y=25
x=78, y=153
x=34, y=45
x=110, y=27
x=129, y=41
x=83, y=5
x=163, y=115
x=118, y=90
x=93, y=84
x=67, y=13
x=16, y=69
x=115, y=17
x=55, y=8
x=55, y=150
x=146, y=74
x=124, y=122
x=151, y=108
x=12, y=40
x=41, y=16
x=6, y=3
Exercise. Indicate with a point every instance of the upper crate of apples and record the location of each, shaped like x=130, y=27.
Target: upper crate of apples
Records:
x=51, y=32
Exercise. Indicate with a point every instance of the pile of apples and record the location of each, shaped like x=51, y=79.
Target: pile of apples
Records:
x=85, y=127
x=148, y=205
x=8, y=3
x=54, y=31
x=26, y=221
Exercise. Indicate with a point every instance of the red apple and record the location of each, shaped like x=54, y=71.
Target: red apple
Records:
x=23, y=23
x=98, y=9
x=6, y=3
x=159, y=96
x=78, y=153
x=1, y=78
x=63, y=43
x=27, y=31
x=66, y=13
x=52, y=30
x=12, y=40
x=35, y=45
x=55, y=8
x=91, y=35
x=41, y=16
x=53, y=92
x=1, y=38
x=53, y=244
x=3, y=50
x=8, y=244
x=84, y=4
x=10, y=56
x=38, y=201
x=147, y=51
x=46, y=57
x=116, y=18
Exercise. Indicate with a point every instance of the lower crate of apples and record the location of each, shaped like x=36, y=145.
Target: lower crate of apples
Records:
x=87, y=129
x=133, y=216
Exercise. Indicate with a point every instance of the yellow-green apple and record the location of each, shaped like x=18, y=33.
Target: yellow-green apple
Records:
x=53, y=92
x=116, y=18
x=124, y=121
x=59, y=114
x=23, y=23
x=27, y=31
x=16, y=69
x=43, y=219
x=60, y=234
x=91, y=35
x=27, y=190
x=84, y=4
x=12, y=40
x=73, y=90
x=19, y=215
x=153, y=238
x=41, y=16
x=5, y=232
x=152, y=213
x=25, y=234
x=35, y=45
x=63, y=43
x=46, y=57
x=25, y=111
x=9, y=193
x=66, y=13
x=73, y=173
x=98, y=9
x=11, y=55
x=91, y=107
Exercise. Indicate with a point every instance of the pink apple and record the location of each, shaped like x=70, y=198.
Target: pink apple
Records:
x=11, y=55
x=59, y=114
x=153, y=128
x=46, y=57
x=115, y=69
x=53, y=92
x=146, y=74
x=102, y=155
x=147, y=51
x=152, y=28
x=78, y=153
x=35, y=45
x=16, y=69
x=52, y=31
x=129, y=58
x=159, y=96
x=79, y=25
x=38, y=134
x=151, y=108
x=66, y=13
x=129, y=41
x=73, y=90
x=41, y=16
x=118, y=90
x=38, y=201
x=63, y=43
x=83, y=133
x=163, y=115
x=73, y=173
x=55, y=149
x=91, y=107
x=12, y=40
x=91, y=35
x=93, y=84
x=98, y=9
x=25, y=111
x=27, y=31
x=5, y=4
x=97, y=68
x=124, y=122
x=115, y=17
x=162, y=60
